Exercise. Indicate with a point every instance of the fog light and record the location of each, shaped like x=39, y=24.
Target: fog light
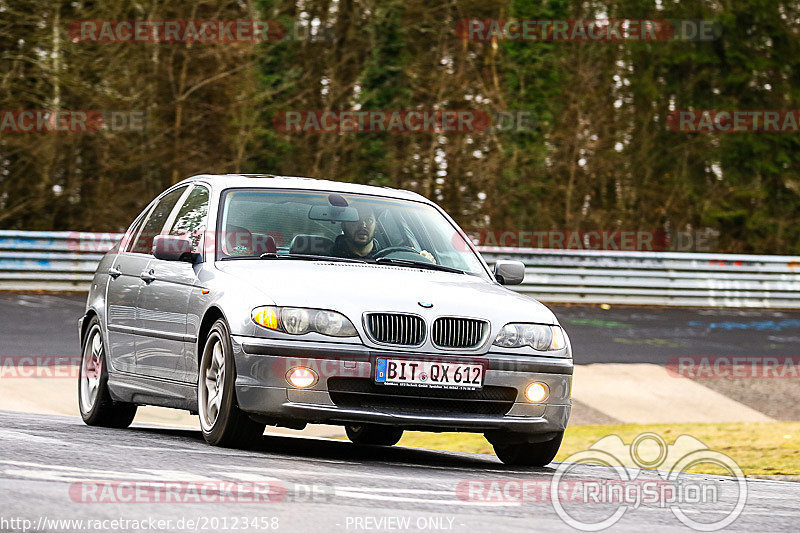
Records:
x=536, y=392
x=301, y=377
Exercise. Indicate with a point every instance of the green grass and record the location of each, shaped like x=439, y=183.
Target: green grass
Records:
x=768, y=448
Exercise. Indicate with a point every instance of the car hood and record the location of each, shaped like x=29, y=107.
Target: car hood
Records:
x=353, y=288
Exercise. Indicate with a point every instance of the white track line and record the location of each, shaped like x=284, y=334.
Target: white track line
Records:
x=378, y=497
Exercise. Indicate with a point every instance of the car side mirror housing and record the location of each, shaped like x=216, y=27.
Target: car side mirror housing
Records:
x=509, y=272
x=174, y=248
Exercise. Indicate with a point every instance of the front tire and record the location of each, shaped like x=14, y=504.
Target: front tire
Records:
x=373, y=434
x=528, y=453
x=221, y=420
x=94, y=399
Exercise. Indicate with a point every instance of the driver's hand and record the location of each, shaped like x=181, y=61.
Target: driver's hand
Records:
x=427, y=255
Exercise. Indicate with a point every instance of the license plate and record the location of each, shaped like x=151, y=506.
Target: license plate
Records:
x=434, y=374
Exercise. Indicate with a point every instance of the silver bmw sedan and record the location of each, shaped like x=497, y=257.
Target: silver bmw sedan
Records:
x=254, y=300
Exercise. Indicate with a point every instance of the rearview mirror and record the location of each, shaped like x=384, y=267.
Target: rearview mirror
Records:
x=333, y=213
x=173, y=248
x=509, y=272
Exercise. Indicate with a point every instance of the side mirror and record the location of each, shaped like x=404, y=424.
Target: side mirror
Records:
x=509, y=272
x=173, y=248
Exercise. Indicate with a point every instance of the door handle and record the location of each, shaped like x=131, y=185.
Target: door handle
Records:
x=114, y=272
x=148, y=276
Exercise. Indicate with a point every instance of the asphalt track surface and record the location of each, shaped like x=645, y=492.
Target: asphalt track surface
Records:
x=46, y=324
x=50, y=466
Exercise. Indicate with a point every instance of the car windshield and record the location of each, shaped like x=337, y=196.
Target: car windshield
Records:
x=310, y=224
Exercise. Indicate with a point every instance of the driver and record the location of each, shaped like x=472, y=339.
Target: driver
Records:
x=358, y=238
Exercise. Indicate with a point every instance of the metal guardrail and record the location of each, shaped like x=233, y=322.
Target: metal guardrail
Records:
x=657, y=278
x=51, y=260
x=66, y=261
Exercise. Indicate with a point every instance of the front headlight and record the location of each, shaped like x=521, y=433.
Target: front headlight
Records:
x=296, y=321
x=333, y=324
x=537, y=336
x=299, y=321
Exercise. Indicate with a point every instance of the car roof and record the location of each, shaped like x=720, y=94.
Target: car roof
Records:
x=269, y=181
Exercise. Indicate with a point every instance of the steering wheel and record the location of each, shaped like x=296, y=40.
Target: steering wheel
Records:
x=391, y=249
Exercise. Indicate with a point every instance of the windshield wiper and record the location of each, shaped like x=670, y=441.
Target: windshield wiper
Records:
x=309, y=257
x=418, y=264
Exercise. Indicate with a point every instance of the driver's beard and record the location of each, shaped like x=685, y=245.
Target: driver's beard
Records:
x=361, y=249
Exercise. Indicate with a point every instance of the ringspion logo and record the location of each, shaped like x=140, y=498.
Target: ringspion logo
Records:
x=674, y=487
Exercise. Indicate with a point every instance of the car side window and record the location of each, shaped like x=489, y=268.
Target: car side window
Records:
x=156, y=220
x=130, y=236
x=191, y=218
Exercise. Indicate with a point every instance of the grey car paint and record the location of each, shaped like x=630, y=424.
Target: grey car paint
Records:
x=153, y=311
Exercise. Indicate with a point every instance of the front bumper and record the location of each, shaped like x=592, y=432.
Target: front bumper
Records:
x=262, y=389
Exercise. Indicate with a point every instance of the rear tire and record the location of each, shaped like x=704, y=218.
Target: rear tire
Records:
x=528, y=453
x=94, y=399
x=373, y=434
x=221, y=420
